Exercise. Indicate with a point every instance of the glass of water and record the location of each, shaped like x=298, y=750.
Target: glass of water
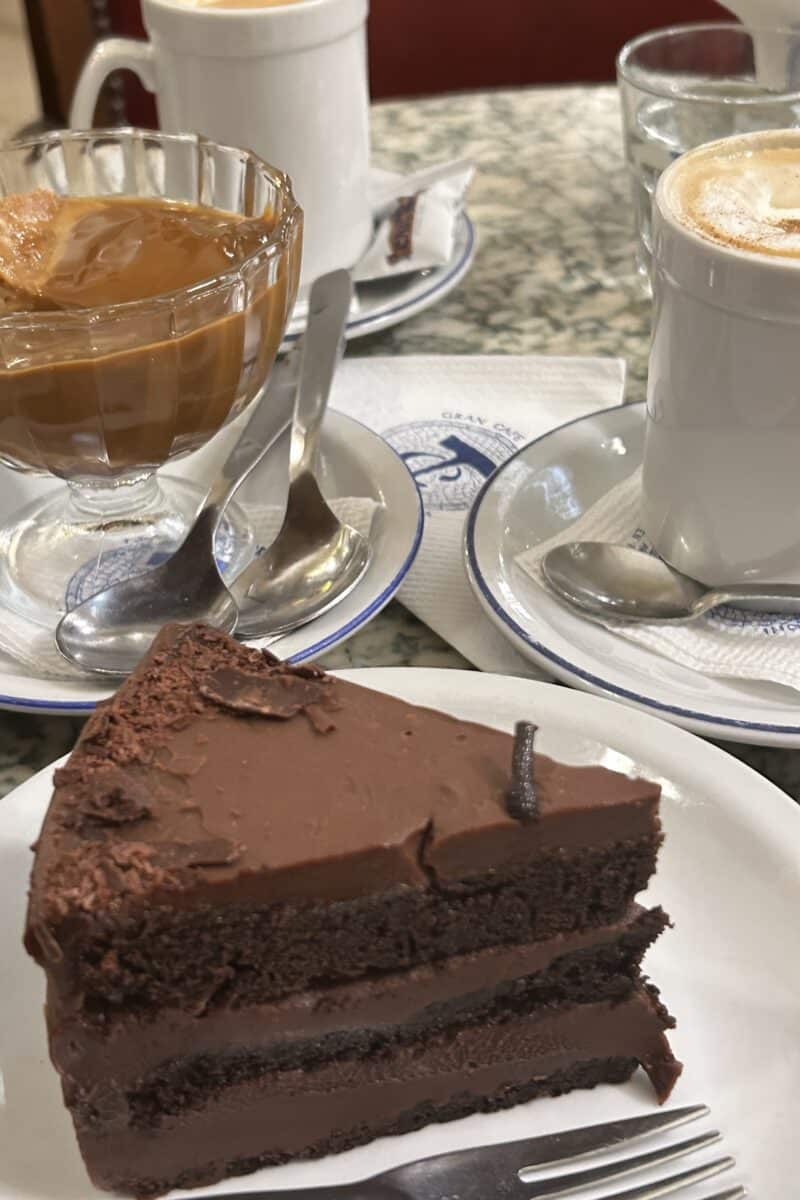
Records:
x=690, y=84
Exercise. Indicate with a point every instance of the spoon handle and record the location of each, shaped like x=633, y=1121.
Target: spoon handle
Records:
x=776, y=597
x=271, y=417
x=329, y=304
x=273, y=413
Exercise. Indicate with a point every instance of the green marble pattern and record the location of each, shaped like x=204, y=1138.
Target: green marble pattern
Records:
x=554, y=274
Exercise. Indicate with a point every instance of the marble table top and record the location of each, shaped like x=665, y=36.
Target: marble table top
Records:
x=554, y=274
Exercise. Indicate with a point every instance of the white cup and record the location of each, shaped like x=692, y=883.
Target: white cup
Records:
x=721, y=483
x=288, y=82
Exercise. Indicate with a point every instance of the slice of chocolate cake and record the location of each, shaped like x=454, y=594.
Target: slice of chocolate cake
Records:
x=281, y=914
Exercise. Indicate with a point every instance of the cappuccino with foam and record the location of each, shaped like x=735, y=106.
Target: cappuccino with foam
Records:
x=743, y=193
x=720, y=499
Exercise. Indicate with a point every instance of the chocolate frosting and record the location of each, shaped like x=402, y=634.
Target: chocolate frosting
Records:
x=218, y=774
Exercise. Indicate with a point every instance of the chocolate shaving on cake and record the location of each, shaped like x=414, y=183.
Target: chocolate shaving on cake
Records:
x=105, y=796
x=213, y=852
x=522, y=802
x=281, y=695
x=320, y=719
x=93, y=876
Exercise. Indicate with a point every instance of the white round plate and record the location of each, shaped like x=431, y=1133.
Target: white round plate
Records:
x=542, y=490
x=386, y=302
x=355, y=461
x=727, y=874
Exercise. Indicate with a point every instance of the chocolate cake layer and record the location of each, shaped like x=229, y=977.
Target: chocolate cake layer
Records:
x=281, y=914
x=218, y=776
x=231, y=830
x=134, y=1053
x=307, y=1112
x=208, y=957
x=131, y=1179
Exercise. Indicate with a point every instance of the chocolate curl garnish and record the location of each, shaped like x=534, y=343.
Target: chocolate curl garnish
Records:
x=521, y=800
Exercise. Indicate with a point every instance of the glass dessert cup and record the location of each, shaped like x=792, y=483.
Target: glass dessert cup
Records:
x=102, y=398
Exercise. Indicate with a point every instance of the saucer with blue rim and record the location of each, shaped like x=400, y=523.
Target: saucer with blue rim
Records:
x=354, y=461
x=538, y=493
x=381, y=303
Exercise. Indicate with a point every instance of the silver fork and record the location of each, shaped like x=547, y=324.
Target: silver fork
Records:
x=512, y=1171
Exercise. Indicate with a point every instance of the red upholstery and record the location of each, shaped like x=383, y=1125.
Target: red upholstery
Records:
x=421, y=47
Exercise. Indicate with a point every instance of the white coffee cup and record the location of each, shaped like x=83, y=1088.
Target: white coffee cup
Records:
x=288, y=82
x=721, y=482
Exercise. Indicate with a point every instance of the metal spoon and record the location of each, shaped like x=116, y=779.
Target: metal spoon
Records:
x=615, y=581
x=109, y=633
x=316, y=559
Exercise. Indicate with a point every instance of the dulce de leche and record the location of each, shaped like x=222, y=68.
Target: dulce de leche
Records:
x=131, y=329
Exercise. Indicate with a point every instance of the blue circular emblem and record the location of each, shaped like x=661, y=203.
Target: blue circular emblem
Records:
x=450, y=460
x=132, y=558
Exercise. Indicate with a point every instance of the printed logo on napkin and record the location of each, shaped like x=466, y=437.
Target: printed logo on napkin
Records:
x=136, y=556
x=451, y=460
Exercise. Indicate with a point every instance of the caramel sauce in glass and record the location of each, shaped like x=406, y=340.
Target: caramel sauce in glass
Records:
x=166, y=320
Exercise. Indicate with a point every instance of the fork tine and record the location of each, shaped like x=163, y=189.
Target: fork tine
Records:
x=564, y=1184
x=555, y=1148
x=737, y=1193
x=503, y=1161
x=673, y=1183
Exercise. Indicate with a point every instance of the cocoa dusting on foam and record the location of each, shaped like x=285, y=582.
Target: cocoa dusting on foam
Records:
x=746, y=197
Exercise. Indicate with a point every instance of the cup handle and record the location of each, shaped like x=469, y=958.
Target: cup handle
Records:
x=109, y=55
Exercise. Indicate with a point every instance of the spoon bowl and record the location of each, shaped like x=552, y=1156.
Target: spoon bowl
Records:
x=316, y=559
x=315, y=563
x=610, y=582
x=109, y=633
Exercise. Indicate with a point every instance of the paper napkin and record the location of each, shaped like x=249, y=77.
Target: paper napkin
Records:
x=31, y=646
x=415, y=219
x=454, y=420
x=727, y=642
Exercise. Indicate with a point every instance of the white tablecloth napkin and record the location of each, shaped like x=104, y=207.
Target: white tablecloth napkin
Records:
x=454, y=419
x=728, y=642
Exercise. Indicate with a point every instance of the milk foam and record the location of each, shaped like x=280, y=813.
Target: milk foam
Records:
x=236, y=3
x=744, y=194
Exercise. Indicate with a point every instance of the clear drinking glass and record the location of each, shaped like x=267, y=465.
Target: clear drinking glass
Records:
x=690, y=84
x=103, y=397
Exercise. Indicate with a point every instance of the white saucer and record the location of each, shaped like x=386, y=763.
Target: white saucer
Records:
x=541, y=491
x=727, y=874
x=387, y=302
x=355, y=461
